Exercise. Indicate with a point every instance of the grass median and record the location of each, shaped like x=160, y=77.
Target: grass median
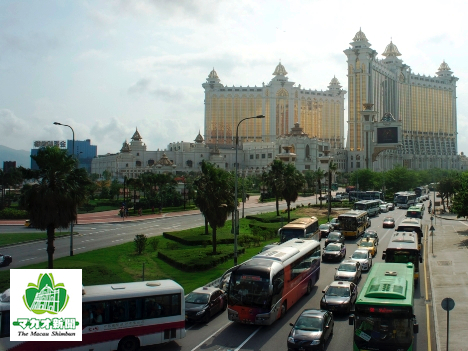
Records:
x=118, y=264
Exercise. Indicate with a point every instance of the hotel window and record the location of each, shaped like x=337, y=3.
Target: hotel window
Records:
x=263, y=155
x=251, y=157
x=358, y=164
x=257, y=156
x=270, y=155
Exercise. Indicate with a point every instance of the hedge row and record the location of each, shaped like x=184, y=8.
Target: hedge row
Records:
x=12, y=213
x=199, y=259
x=196, y=240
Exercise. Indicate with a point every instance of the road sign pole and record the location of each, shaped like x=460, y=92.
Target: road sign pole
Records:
x=448, y=323
x=448, y=304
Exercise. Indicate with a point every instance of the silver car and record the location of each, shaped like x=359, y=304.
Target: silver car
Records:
x=349, y=270
x=364, y=257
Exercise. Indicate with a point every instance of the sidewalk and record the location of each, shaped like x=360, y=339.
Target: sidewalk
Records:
x=114, y=217
x=448, y=270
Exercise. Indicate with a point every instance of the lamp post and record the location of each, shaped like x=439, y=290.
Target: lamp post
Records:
x=236, y=213
x=73, y=154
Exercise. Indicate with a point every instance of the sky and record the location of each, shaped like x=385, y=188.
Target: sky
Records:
x=108, y=67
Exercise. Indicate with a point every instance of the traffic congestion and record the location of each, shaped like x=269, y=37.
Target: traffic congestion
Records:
x=327, y=315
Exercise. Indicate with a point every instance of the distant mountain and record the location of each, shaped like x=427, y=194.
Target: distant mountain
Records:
x=22, y=157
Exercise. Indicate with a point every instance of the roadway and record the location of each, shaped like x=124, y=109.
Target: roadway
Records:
x=219, y=333
x=222, y=335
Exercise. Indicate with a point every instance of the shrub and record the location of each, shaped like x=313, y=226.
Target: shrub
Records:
x=140, y=242
x=154, y=243
x=12, y=213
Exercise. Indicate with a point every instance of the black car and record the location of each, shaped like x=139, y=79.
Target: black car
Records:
x=335, y=224
x=325, y=229
x=5, y=260
x=335, y=237
x=371, y=234
x=203, y=303
x=334, y=252
x=334, y=199
x=339, y=296
x=311, y=331
x=349, y=271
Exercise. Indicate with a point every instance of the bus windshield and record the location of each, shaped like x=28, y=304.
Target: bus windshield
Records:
x=249, y=290
x=402, y=199
x=360, y=206
x=389, y=331
x=402, y=256
x=290, y=233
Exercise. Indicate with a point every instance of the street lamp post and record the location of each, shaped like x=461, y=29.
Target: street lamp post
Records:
x=236, y=213
x=73, y=154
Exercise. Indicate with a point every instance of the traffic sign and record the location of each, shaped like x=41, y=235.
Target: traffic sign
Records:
x=448, y=304
x=432, y=228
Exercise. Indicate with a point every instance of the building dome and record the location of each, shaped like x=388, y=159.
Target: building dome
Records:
x=125, y=147
x=136, y=136
x=444, y=67
x=280, y=70
x=164, y=161
x=213, y=74
x=334, y=81
x=199, y=139
x=391, y=50
x=360, y=36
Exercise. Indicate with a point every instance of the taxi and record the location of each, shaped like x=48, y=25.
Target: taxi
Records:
x=368, y=244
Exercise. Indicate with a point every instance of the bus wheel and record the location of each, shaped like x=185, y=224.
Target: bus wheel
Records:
x=284, y=307
x=129, y=343
x=309, y=287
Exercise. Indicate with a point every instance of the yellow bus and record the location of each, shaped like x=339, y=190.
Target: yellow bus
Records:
x=301, y=228
x=354, y=223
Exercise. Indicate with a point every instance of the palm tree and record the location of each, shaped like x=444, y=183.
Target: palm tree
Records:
x=293, y=181
x=274, y=180
x=319, y=174
x=215, y=197
x=52, y=201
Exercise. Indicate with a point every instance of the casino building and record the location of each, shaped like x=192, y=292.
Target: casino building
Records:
x=425, y=106
x=319, y=113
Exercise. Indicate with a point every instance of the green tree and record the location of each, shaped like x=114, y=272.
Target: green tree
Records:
x=460, y=199
x=293, y=183
x=363, y=177
x=114, y=189
x=447, y=187
x=215, y=196
x=274, y=180
x=53, y=200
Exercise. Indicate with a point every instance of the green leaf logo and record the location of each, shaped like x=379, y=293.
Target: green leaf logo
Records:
x=46, y=296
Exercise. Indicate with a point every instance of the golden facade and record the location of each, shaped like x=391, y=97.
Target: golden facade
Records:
x=425, y=105
x=320, y=113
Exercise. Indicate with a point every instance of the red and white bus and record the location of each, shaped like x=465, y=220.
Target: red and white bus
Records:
x=120, y=317
x=262, y=289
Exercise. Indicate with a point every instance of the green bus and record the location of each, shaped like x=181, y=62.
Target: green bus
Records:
x=384, y=319
x=415, y=212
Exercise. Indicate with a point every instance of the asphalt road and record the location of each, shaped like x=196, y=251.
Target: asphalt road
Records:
x=220, y=334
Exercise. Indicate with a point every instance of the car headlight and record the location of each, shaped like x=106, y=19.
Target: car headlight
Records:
x=201, y=312
x=291, y=339
x=315, y=342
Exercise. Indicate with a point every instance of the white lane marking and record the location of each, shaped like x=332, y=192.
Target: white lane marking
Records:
x=463, y=223
x=84, y=241
x=28, y=259
x=114, y=241
x=208, y=338
x=45, y=248
x=79, y=248
x=245, y=341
